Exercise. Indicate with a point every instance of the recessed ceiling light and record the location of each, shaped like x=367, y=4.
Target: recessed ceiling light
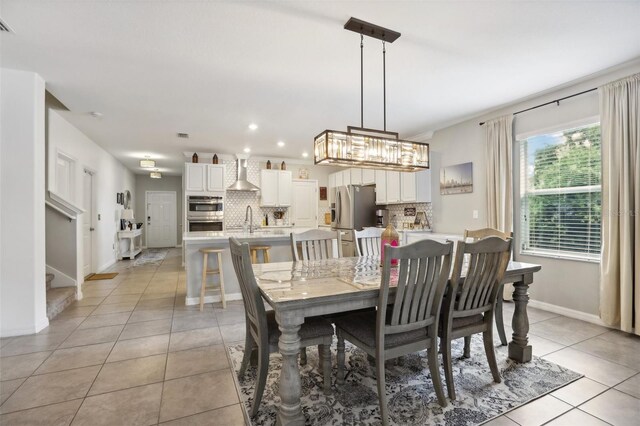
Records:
x=253, y=126
x=183, y=135
x=305, y=155
x=95, y=114
x=247, y=150
x=155, y=175
x=147, y=164
x=280, y=144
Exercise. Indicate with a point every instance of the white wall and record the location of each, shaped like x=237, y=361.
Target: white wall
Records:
x=166, y=183
x=569, y=284
x=22, y=218
x=110, y=177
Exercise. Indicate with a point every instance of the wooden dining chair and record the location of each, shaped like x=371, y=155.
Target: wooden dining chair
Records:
x=262, y=329
x=316, y=244
x=476, y=235
x=410, y=323
x=469, y=305
x=368, y=241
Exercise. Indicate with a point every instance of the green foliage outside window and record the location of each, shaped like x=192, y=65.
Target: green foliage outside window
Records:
x=562, y=203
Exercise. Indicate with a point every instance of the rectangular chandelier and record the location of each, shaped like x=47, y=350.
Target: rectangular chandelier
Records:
x=147, y=164
x=155, y=175
x=376, y=150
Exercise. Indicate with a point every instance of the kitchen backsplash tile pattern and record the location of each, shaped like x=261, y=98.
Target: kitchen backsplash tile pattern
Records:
x=398, y=210
x=236, y=202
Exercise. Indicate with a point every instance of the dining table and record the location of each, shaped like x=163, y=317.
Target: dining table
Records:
x=301, y=289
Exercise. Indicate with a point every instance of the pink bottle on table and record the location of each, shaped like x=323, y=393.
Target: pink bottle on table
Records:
x=389, y=236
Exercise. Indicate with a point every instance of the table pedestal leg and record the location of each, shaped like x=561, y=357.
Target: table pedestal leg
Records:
x=290, y=410
x=519, y=348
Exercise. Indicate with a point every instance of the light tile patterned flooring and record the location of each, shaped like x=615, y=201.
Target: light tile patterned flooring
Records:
x=131, y=353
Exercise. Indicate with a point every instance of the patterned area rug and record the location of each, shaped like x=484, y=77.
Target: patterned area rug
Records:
x=150, y=257
x=410, y=393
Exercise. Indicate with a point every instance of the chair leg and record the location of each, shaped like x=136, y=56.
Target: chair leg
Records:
x=467, y=346
x=263, y=368
x=382, y=389
x=340, y=359
x=221, y=276
x=248, y=348
x=487, y=337
x=448, y=368
x=325, y=350
x=432, y=357
x=500, y=319
x=203, y=284
x=303, y=356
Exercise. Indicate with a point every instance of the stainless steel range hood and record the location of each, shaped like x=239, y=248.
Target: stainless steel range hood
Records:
x=241, y=183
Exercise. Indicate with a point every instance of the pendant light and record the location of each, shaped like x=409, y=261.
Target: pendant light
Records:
x=366, y=147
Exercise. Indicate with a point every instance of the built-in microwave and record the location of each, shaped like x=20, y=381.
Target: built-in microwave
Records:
x=204, y=225
x=205, y=208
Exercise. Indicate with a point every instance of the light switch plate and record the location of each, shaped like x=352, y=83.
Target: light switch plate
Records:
x=475, y=214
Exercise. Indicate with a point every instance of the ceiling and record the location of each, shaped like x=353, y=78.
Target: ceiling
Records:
x=210, y=68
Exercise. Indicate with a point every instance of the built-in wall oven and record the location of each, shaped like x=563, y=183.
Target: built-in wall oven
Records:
x=205, y=213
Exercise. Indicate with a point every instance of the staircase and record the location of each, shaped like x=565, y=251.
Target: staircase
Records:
x=58, y=298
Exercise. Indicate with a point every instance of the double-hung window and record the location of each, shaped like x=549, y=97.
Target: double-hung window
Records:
x=560, y=193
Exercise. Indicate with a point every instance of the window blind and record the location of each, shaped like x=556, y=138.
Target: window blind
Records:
x=560, y=193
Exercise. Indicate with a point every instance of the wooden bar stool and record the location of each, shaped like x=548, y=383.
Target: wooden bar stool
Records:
x=265, y=253
x=206, y=271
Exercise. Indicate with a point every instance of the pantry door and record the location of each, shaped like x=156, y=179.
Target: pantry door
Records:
x=304, y=209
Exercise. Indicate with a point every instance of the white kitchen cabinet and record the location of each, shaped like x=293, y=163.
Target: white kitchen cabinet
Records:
x=368, y=176
x=346, y=177
x=381, y=186
x=276, y=187
x=415, y=187
x=195, y=177
x=393, y=187
x=215, y=177
x=356, y=176
x=338, y=178
x=285, y=188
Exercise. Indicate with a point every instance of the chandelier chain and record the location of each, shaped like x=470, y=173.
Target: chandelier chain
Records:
x=384, y=83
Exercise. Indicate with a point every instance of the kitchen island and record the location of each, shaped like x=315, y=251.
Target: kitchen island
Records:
x=280, y=251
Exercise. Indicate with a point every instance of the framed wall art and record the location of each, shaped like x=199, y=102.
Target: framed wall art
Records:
x=456, y=179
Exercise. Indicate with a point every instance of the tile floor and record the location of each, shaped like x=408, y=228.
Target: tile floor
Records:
x=131, y=353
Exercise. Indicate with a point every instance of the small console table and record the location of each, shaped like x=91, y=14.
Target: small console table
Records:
x=135, y=243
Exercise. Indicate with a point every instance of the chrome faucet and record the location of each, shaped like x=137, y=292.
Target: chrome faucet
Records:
x=248, y=216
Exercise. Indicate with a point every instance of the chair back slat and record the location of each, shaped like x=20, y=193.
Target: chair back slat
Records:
x=253, y=304
x=487, y=262
x=316, y=244
x=422, y=271
x=368, y=241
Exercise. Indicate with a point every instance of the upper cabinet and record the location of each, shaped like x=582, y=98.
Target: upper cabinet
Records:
x=368, y=176
x=203, y=177
x=403, y=187
x=356, y=176
x=215, y=180
x=276, y=188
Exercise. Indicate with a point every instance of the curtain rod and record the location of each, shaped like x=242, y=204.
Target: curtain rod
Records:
x=556, y=101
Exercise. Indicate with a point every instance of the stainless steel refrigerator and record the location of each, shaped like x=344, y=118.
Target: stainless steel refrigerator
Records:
x=355, y=208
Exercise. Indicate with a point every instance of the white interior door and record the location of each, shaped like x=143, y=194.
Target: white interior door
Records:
x=304, y=209
x=161, y=219
x=87, y=224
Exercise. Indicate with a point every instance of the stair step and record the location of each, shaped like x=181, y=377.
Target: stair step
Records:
x=49, y=278
x=58, y=299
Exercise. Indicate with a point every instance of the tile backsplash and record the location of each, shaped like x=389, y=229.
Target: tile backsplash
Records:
x=398, y=210
x=236, y=202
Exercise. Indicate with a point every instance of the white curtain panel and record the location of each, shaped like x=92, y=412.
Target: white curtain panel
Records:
x=499, y=141
x=620, y=266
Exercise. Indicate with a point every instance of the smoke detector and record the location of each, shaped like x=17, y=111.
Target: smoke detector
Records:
x=183, y=135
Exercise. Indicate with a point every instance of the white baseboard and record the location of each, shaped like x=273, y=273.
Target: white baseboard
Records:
x=567, y=312
x=108, y=265
x=43, y=323
x=211, y=299
x=60, y=279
